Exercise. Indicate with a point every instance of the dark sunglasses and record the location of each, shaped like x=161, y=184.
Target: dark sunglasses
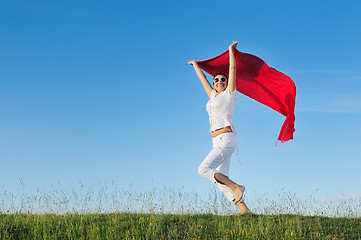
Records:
x=223, y=79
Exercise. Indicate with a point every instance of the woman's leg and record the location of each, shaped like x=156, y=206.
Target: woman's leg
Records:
x=243, y=209
x=227, y=146
x=224, y=170
x=223, y=179
x=237, y=189
x=215, y=166
x=212, y=164
x=230, y=194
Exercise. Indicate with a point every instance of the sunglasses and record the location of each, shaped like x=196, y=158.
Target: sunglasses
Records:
x=223, y=79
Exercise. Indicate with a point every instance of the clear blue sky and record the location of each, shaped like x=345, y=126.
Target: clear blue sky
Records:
x=101, y=91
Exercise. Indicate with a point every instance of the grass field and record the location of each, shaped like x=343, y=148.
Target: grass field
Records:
x=96, y=213
x=168, y=226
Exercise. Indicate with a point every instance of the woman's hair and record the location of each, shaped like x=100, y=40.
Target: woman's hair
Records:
x=223, y=74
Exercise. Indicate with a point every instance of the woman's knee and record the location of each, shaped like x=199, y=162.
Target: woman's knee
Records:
x=202, y=170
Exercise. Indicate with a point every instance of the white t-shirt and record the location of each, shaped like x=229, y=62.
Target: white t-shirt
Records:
x=220, y=109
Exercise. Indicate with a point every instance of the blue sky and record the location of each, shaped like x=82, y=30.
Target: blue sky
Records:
x=100, y=91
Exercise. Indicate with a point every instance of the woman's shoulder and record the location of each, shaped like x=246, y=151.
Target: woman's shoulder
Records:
x=227, y=92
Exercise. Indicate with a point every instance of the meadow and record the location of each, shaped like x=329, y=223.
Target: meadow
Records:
x=102, y=213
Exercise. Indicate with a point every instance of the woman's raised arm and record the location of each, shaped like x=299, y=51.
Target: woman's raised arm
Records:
x=232, y=84
x=207, y=86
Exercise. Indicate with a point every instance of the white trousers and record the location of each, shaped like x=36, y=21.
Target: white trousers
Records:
x=218, y=161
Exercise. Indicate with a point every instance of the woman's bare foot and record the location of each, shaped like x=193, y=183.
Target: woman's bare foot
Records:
x=238, y=192
x=243, y=209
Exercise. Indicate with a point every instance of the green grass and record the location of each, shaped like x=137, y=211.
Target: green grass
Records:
x=181, y=226
x=109, y=213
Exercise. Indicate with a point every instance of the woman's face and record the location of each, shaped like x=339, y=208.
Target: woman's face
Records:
x=220, y=83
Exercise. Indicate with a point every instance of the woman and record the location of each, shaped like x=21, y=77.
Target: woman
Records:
x=215, y=166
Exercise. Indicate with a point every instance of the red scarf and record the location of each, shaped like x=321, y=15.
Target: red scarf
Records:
x=262, y=83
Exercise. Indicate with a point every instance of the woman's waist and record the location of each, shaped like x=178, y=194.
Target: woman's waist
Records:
x=219, y=131
x=224, y=140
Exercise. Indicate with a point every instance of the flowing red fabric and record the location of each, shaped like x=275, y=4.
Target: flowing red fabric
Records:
x=260, y=82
